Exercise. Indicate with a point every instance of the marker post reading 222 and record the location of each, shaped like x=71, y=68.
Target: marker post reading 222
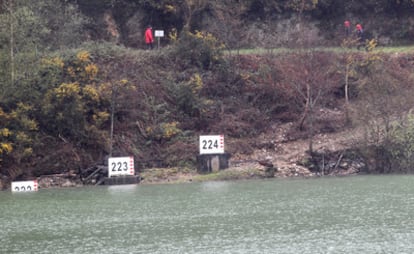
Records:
x=211, y=144
x=24, y=186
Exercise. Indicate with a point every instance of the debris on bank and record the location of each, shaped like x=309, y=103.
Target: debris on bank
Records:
x=59, y=181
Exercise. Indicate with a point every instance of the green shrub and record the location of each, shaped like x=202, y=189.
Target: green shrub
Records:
x=401, y=145
x=198, y=49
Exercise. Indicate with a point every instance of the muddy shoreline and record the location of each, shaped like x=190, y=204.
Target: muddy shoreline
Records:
x=248, y=171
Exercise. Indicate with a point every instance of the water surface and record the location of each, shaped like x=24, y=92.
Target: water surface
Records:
x=364, y=214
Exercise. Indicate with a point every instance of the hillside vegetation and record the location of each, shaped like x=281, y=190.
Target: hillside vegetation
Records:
x=64, y=107
x=252, y=23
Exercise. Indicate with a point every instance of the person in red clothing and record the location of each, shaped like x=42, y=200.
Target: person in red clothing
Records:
x=149, y=39
x=347, y=26
x=358, y=27
x=360, y=35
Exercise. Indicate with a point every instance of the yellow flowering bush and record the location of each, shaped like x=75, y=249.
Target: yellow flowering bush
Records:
x=371, y=44
x=196, y=83
x=83, y=56
x=78, y=107
x=66, y=90
x=54, y=61
x=6, y=148
x=170, y=8
x=20, y=116
x=164, y=131
x=17, y=139
x=173, y=35
x=108, y=90
x=169, y=130
x=81, y=69
x=199, y=49
x=71, y=71
x=91, y=93
x=5, y=132
x=91, y=71
x=208, y=38
x=188, y=97
x=101, y=117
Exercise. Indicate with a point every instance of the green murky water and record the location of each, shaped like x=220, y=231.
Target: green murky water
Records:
x=364, y=214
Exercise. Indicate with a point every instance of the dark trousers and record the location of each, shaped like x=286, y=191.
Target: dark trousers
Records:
x=361, y=41
x=347, y=31
x=149, y=45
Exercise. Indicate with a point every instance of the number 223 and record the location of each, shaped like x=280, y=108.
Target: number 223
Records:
x=117, y=166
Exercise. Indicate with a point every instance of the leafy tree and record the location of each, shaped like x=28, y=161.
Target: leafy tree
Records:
x=112, y=93
x=28, y=29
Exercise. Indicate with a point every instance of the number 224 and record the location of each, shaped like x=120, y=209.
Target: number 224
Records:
x=209, y=144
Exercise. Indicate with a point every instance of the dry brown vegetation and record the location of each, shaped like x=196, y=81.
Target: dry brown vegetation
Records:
x=289, y=107
x=64, y=109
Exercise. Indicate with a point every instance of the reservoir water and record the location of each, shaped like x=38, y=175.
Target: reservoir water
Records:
x=363, y=214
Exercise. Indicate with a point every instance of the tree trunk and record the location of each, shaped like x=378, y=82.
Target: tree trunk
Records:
x=311, y=130
x=111, y=134
x=307, y=105
x=12, y=63
x=347, y=93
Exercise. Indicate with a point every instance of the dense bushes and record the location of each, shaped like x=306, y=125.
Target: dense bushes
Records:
x=106, y=99
x=384, y=86
x=234, y=21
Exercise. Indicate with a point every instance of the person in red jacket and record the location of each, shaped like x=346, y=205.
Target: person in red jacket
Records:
x=360, y=35
x=347, y=25
x=149, y=39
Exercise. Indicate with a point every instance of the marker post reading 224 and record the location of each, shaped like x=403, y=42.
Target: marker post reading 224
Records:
x=211, y=144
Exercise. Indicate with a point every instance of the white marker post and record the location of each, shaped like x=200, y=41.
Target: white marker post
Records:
x=24, y=186
x=211, y=144
x=121, y=166
x=158, y=35
x=212, y=157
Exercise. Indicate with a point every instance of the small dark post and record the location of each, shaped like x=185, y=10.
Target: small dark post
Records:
x=208, y=163
x=119, y=180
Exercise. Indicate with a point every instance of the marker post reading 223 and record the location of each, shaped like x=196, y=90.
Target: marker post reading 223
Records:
x=121, y=166
x=211, y=144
